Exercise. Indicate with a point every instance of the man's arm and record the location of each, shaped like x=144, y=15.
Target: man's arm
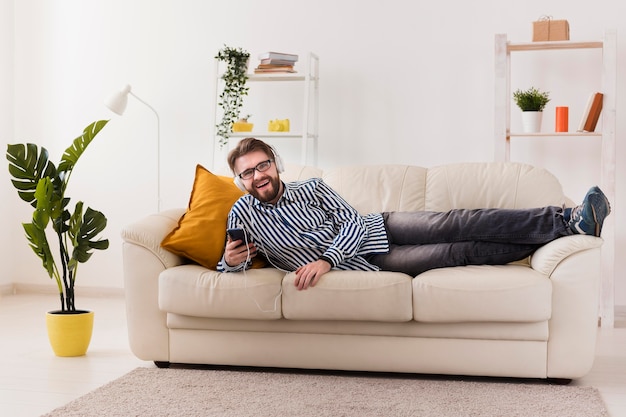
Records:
x=351, y=232
x=350, y=224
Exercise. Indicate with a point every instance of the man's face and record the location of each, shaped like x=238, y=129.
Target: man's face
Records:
x=264, y=186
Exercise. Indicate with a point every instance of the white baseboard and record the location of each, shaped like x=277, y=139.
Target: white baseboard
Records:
x=7, y=289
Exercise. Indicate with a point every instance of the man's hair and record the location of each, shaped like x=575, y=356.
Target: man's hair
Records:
x=245, y=146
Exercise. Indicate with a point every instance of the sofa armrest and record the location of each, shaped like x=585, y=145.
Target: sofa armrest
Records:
x=143, y=260
x=548, y=257
x=573, y=265
x=150, y=231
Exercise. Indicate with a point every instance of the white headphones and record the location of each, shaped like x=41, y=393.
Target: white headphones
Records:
x=280, y=167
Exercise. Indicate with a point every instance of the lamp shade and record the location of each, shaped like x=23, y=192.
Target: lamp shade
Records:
x=117, y=101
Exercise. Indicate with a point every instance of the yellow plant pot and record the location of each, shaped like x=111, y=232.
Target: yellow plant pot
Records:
x=69, y=333
x=242, y=127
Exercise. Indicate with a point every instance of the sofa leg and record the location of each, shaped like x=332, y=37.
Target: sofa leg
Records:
x=559, y=381
x=162, y=364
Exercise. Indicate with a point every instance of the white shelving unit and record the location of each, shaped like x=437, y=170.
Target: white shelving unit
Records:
x=503, y=136
x=307, y=131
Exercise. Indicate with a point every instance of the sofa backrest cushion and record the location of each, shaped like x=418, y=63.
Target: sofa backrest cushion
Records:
x=300, y=172
x=378, y=188
x=491, y=184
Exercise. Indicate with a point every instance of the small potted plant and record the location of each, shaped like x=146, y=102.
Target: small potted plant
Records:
x=231, y=97
x=242, y=125
x=531, y=102
x=42, y=184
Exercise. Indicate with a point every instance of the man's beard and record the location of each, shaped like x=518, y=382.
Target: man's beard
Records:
x=269, y=192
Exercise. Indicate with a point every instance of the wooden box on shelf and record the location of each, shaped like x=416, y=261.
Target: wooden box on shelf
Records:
x=550, y=30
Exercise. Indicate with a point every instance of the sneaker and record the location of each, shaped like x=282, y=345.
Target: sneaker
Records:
x=587, y=218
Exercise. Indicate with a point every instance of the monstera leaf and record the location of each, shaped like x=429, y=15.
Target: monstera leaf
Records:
x=72, y=154
x=39, y=244
x=82, y=231
x=27, y=165
x=36, y=230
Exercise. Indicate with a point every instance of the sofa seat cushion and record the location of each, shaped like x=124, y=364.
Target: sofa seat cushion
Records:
x=501, y=293
x=193, y=290
x=350, y=295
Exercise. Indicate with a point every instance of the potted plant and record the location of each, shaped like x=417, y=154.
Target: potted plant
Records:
x=531, y=102
x=242, y=125
x=43, y=185
x=231, y=97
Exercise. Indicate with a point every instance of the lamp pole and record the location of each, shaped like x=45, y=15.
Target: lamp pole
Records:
x=117, y=103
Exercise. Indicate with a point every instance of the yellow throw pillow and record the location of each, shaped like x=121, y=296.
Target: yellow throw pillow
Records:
x=201, y=231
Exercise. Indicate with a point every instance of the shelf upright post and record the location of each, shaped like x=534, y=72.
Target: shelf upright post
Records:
x=215, y=165
x=316, y=105
x=607, y=176
x=311, y=80
x=304, y=145
x=502, y=110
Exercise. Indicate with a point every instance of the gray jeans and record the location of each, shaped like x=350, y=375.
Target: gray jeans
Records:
x=424, y=240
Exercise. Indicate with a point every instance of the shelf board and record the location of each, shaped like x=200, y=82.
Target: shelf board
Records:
x=545, y=46
x=269, y=135
x=276, y=77
x=562, y=134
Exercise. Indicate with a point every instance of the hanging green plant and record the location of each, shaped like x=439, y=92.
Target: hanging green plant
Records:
x=231, y=97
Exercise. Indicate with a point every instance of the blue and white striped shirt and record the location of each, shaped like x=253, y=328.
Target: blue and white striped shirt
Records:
x=309, y=221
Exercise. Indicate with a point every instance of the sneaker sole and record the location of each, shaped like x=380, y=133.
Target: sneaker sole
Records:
x=606, y=210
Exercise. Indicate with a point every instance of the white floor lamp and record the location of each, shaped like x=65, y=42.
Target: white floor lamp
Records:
x=117, y=104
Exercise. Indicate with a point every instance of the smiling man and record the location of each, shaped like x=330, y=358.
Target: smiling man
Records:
x=300, y=226
x=306, y=227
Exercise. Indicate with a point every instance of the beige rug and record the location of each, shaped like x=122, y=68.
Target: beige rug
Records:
x=218, y=392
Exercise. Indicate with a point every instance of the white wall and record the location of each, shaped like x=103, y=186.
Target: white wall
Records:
x=401, y=82
x=9, y=223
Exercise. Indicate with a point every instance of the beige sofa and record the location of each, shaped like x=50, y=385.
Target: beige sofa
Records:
x=535, y=318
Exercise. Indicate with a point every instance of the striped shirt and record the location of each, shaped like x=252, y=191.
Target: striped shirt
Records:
x=308, y=222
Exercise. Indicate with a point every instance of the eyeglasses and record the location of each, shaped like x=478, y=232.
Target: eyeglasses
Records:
x=261, y=167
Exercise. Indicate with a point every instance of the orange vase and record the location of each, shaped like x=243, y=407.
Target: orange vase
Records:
x=561, y=119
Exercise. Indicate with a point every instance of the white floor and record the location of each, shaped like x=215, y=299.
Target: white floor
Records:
x=33, y=381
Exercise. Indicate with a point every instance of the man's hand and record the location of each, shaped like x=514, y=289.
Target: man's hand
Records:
x=308, y=275
x=236, y=253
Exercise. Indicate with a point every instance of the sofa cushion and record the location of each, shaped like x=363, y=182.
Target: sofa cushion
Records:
x=193, y=290
x=491, y=184
x=483, y=293
x=377, y=188
x=350, y=295
x=294, y=172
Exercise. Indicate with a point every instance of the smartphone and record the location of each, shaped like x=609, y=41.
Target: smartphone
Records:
x=237, y=234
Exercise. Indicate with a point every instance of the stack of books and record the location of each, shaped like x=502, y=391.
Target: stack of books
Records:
x=591, y=114
x=273, y=62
